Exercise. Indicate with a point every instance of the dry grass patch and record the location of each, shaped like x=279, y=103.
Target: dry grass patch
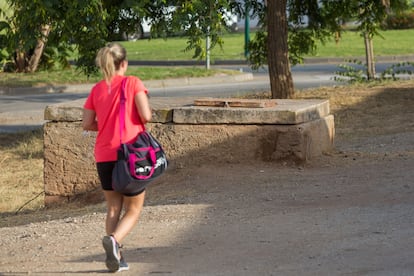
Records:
x=21, y=171
x=363, y=110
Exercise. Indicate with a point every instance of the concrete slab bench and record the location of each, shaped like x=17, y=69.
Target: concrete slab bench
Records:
x=293, y=130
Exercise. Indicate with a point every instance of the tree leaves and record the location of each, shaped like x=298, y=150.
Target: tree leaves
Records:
x=80, y=22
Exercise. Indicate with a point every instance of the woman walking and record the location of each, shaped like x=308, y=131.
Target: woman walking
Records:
x=101, y=114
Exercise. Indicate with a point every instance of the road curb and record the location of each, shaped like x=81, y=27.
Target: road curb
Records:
x=84, y=88
x=311, y=60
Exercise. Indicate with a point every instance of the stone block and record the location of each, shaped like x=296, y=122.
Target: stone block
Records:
x=285, y=112
x=188, y=144
x=69, y=167
x=72, y=111
x=298, y=131
x=65, y=112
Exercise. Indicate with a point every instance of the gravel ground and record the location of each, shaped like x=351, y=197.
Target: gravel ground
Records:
x=348, y=212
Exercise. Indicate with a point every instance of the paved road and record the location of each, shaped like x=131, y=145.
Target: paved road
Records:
x=25, y=110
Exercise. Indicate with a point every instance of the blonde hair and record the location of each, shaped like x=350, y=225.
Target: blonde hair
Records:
x=109, y=59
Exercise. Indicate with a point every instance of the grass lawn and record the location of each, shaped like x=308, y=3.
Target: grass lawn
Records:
x=173, y=49
x=393, y=42
x=72, y=76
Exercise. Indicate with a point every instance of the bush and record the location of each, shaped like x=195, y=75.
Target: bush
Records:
x=354, y=71
x=399, y=21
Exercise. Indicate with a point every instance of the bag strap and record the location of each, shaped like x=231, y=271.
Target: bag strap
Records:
x=122, y=101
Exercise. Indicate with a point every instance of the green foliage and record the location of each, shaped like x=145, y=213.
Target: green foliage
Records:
x=56, y=58
x=308, y=23
x=398, y=21
x=89, y=24
x=201, y=19
x=79, y=22
x=402, y=68
x=313, y=22
x=257, y=49
x=5, y=53
x=301, y=42
x=354, y=71
x=85, y=26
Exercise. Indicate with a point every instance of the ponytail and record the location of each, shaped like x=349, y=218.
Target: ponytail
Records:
x=109, y=59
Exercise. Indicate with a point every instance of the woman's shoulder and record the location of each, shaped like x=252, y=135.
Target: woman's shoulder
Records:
x=136, y=82
x=134, y=79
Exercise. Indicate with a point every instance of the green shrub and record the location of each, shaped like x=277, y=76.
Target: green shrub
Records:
x=395, y=70
x=355, y=71
x=399, y=21
x=351, y=71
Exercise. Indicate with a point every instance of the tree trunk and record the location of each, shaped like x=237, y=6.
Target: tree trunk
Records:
x=38, y=51
x=20, y=60
x=369, y=55
x=281, y=81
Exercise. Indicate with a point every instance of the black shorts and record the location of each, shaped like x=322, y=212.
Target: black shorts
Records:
x=105, y=176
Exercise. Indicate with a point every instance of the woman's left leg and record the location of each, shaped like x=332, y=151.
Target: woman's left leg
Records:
x=114, y=202
x=133, y=206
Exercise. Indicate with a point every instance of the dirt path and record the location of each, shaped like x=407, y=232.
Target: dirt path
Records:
x=346, y=213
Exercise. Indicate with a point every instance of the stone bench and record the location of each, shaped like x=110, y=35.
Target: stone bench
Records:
x=293, y=130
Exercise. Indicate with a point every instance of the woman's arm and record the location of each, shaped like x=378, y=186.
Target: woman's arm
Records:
x=89, y=120
x=143, y=107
